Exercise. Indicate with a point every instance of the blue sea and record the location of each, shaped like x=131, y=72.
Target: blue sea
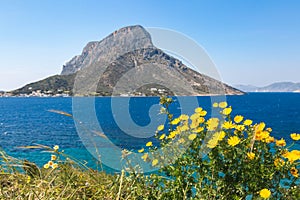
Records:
x=124, y=120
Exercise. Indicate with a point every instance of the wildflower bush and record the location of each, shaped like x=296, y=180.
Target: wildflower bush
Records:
x=226, y=158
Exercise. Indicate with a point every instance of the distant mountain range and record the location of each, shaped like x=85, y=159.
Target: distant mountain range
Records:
x=117, y=62
x=275, y=87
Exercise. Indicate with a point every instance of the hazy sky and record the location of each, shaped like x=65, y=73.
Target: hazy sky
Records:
x=251, y=42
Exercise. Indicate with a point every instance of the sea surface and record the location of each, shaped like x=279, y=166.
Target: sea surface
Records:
x=29, y=121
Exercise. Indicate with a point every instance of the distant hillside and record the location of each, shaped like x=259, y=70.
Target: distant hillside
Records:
x=275, y=87
x=52, y=85
x=127, y=63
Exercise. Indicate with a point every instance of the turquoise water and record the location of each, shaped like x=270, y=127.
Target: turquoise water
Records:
x=27, y=121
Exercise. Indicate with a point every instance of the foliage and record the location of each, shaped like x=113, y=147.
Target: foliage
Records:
x=226, y=158
x=54, y=83
x=60, y=178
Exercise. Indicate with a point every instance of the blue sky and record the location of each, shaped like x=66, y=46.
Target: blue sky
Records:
x=251, y=42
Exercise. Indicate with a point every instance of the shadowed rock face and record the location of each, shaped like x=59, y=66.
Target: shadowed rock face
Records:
x=116, y=44
x=127, y=63
x=142, y=70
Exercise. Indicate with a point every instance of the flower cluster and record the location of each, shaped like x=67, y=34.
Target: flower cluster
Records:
x=51, y=163
x=243, y=156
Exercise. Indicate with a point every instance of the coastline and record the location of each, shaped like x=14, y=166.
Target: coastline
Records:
x=120, y=96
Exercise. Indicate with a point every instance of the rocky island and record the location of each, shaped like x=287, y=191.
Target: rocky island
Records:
x=125, y=63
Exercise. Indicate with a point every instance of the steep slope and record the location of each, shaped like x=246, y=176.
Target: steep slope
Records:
x=127, y=63
x=155, y=70
x=54, y=84
x=117, y=43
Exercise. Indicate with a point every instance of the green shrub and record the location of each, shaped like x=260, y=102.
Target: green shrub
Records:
x=225, y=158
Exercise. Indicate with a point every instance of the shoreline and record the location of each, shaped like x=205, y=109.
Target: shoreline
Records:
x=120, y=96
x=5, y=95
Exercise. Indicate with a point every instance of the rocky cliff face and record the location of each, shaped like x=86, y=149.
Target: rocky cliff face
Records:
x=150, y=70
x=116, y=44
x=127, y=63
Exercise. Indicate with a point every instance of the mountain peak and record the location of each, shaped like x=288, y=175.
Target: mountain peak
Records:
x=119, y=42
x=127, y=63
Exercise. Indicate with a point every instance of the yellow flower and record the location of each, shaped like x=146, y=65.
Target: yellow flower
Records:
x=160, y=127
x=203, y=113
x=162, y=136
x=149, y=144
x=53, y=157
x=192, y=136
x=278, y=162
x=201, y=120
x=198, y=130
x=228, y=125
x=195, y=116
x=251, y=155
x=234, y=140
x=198, y=110
x=269, y=139
x=247, y=122
x=46, y=166
x=212, y=124
x=296, y=153
x=28, y=179
x=292, y=156
x=154, y=162
x=219, y=135
x=265, y=193
x=295, y=136
x=260, y=126
x=212, y=143
x=238, y=118
x=56, y=147
x=172, y=134
x=178, y=130
x=223, y=104
x=269, y=129
x=184, y=117
x=184, y=128
x=265, y=134
x=215, y=105
x=141, y=150
x=260, y=134
x=54, y=166
x=280, y=143
x=240, y=127
x=294, y=172
x=145, y=157
x=50, y=163
x=194, y=124
x=175, y=121
x=227, y=111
